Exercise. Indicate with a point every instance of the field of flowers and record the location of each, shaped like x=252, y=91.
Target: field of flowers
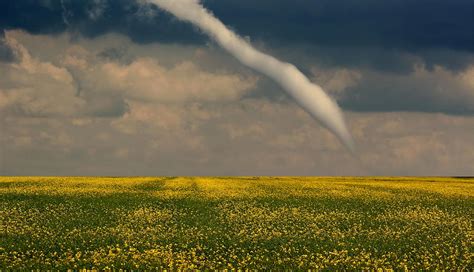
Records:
x=248, y=223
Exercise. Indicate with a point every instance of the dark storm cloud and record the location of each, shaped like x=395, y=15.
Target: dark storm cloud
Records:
x=33, y=16
x=92, y=18
x=403, y=24
x=423, y=91
x=347, y=31
x=350, y=33
x=360, y=33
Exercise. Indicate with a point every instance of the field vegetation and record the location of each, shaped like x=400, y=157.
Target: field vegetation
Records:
x=227, y=223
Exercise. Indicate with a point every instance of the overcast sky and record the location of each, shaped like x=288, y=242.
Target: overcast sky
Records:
x=118, y=87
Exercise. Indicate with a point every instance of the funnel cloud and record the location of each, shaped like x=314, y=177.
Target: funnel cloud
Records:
x=309, y=96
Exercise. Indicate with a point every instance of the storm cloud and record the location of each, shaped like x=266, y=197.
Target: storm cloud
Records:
x=403, y=24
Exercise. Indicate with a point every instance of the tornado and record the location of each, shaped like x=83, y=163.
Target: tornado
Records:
x=309, y=96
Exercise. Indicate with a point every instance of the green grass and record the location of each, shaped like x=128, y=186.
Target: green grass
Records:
x=248, y=223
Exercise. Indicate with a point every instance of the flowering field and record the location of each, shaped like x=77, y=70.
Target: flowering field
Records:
x=254, y=223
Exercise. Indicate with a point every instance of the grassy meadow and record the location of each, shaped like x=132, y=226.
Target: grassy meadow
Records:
x=248, y=223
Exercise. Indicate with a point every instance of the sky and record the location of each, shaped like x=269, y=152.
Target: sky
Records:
x=122, y=88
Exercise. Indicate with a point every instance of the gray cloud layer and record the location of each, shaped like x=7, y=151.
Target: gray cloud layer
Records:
x=109, y=106
x=236, y=139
